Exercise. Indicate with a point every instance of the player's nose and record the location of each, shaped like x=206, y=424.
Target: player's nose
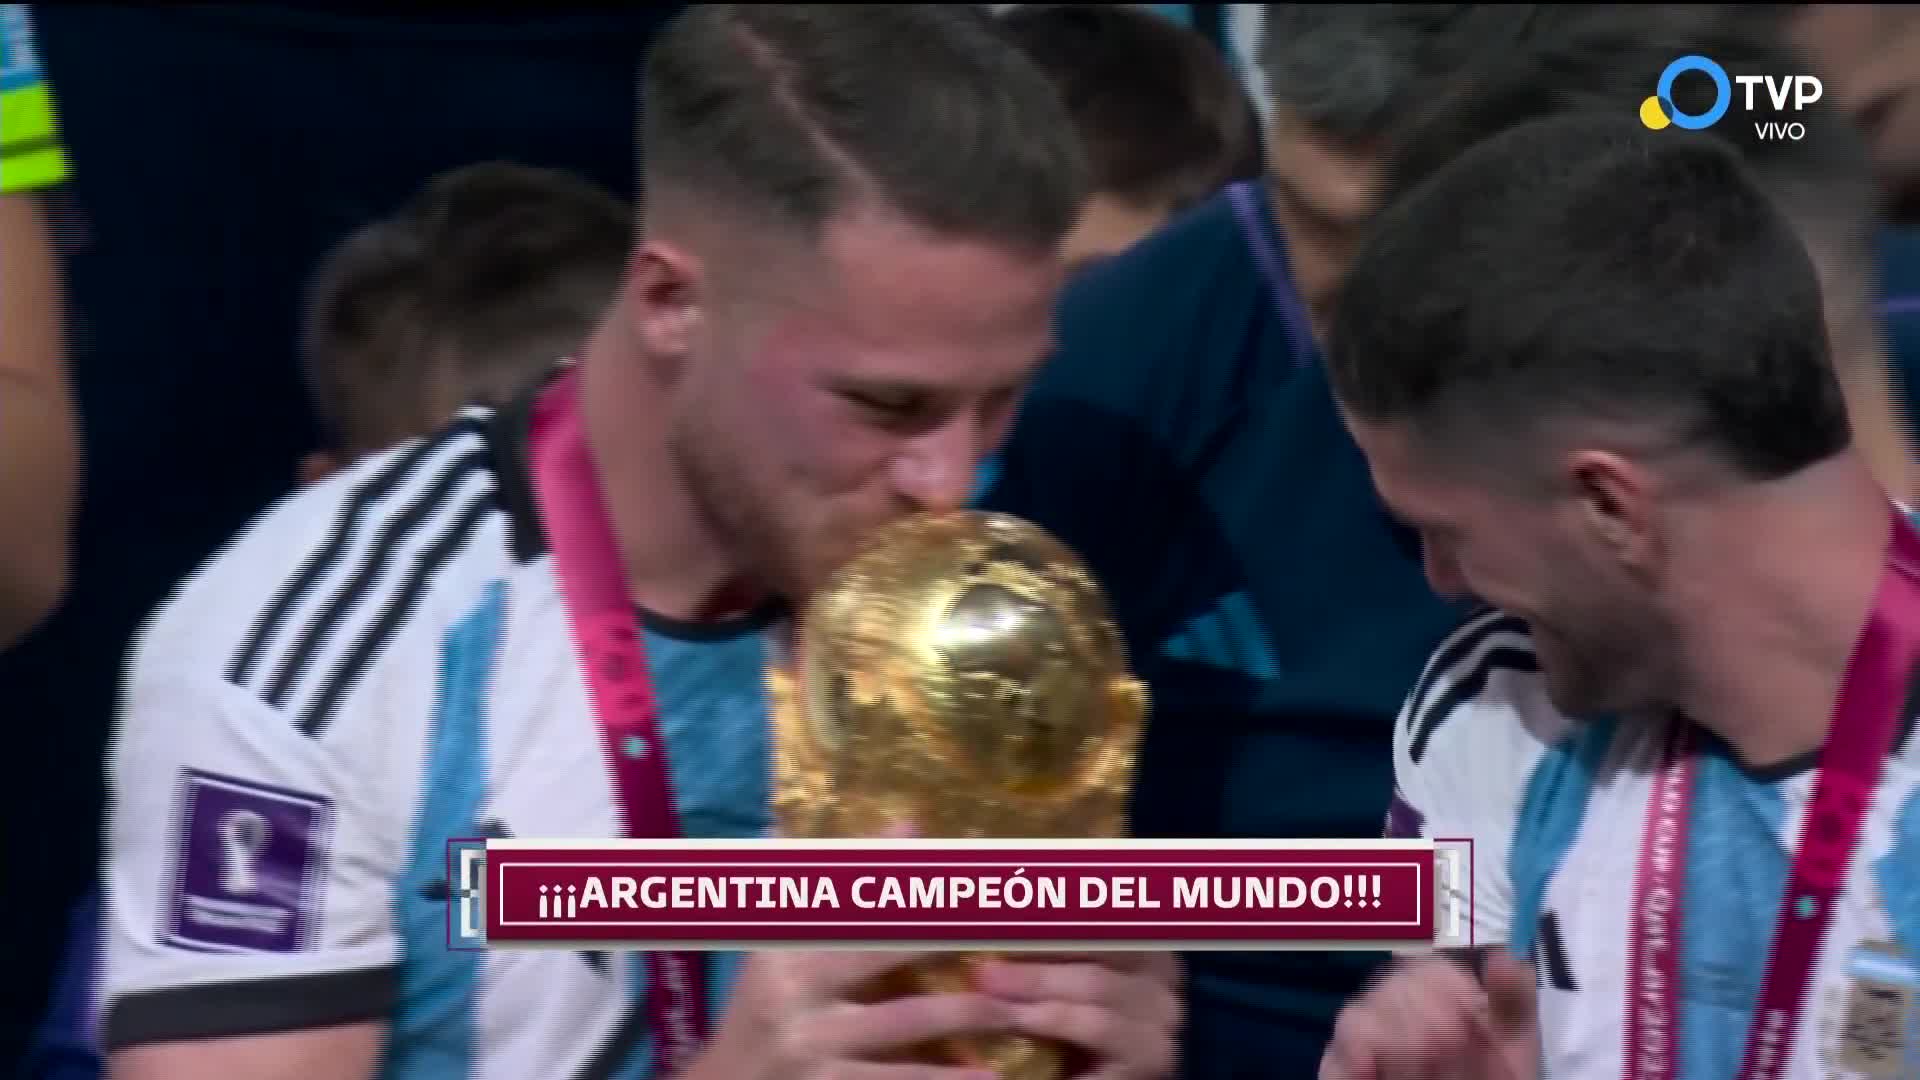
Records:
x=937, y=471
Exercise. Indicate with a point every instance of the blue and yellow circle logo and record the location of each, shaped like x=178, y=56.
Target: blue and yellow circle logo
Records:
x=1659, y=110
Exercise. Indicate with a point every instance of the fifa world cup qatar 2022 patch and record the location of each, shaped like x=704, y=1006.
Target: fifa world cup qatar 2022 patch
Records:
x=249, y=863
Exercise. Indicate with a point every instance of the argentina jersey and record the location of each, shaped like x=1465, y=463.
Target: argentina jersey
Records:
x=379, y=665
x=1557, y=811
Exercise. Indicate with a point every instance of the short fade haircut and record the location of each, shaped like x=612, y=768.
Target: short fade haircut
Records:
x=790, y=114
x=490, y=274
x=1163, y=119
x=1580, y=269
x=1608, y=58
x=1354, y=71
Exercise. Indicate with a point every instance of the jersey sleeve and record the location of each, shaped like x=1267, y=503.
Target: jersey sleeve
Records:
x=30, y=152
x=247, y=880
x=1464, y=747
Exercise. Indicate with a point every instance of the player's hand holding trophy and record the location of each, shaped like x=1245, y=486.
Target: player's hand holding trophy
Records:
x=961, y=675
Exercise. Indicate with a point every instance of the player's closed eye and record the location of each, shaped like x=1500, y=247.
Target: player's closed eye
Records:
x=895, y=411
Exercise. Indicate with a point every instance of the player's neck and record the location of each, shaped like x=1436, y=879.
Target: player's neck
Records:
x=1776, y=613
x=676, y=565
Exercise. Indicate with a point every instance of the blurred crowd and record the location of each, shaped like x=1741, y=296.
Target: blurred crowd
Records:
x=248, y=249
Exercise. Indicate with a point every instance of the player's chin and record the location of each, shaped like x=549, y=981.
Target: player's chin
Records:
x=1572, y=689
x=1585, y=692
x=830, y=548
x=814, y=566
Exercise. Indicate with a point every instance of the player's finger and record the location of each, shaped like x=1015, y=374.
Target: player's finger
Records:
x=851, y=1031
x=1417, y=1022
x=1035, y=980
x=1123, y=961
x=1136, y=1049
x=826, y=975
x=1143, y=1001
x=1162, y=966
x=1435, y=986
x=1419, y=1040
x=1512, y=996
x=863, y=1070
x=1349, y=1054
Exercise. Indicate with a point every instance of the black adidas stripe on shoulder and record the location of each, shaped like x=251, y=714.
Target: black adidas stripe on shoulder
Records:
x=409, y=499
x=1470, y=656
x=402, y=604
x=1456, y=647
x=370, y=569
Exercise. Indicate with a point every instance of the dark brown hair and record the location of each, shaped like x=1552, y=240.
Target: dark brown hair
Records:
x=1581, y=268
x=1163, y=118
x=491, y=274
x=789, y=114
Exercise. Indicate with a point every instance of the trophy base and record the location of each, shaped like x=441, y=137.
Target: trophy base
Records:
x=1011, y=1057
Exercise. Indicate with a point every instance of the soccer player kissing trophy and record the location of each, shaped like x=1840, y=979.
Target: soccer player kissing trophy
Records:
x=961, y=675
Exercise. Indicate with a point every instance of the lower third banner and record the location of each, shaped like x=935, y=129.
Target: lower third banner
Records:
x=691, y=894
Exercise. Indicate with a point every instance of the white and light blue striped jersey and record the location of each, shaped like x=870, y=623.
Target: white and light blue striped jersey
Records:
x=1556, y=810
x=378, y=665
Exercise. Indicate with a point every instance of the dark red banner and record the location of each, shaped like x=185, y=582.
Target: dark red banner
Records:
x=693, y=895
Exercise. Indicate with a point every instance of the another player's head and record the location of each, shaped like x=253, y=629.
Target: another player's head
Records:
x=1565, y=356
x=1164, y=121
x=1605, y=61
x=852, y=230
x=1340, y=78
x=489, y=275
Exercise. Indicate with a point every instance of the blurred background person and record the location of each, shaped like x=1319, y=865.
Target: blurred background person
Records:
x=1163, y=119
x=1182, y=438
x=1340, y=79
x=466, y=295
x=39, y=432
x=218, y=151
x=1868, y=56
x=1869, y=59
x=478, y=285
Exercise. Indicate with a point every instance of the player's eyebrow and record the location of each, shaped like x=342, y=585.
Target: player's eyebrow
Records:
x=884, y=389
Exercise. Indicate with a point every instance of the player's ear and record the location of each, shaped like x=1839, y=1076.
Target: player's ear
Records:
x=1615, y=501
x=666, y=298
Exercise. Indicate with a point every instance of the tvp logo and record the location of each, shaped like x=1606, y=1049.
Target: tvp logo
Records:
x=1783, y=93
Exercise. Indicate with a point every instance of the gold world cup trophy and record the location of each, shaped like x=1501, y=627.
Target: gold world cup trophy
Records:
x=962, y=673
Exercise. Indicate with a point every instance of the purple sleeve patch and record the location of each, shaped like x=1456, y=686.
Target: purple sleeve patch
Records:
x=1403, y=821
x=249, y=868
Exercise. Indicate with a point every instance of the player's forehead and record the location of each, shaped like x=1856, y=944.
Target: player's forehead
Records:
x=893, y=277
x=892, y=306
